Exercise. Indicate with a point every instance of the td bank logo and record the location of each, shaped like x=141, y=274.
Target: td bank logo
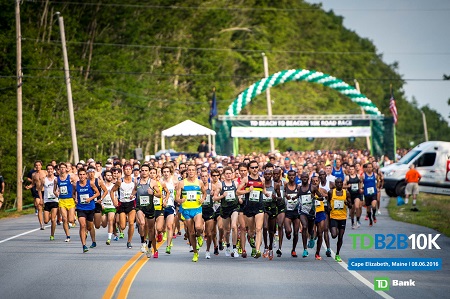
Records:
x=381, y=283
x=384, y=283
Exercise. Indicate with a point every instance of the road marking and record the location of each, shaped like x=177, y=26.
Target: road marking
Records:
x=111, y=289
x=22, y=234
x=359, y=276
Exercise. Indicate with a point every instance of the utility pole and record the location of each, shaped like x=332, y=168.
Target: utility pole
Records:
x=424, y=120
x=69, y=89
x=19, y=107
x=269, y=102
x=363, y=113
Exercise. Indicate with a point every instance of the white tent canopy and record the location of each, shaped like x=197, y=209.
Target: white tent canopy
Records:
x=188, y=128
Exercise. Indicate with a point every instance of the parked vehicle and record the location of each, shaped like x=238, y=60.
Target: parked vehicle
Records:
x=432, y=160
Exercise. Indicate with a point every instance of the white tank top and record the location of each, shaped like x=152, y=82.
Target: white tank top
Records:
x=48, y=191
x=326, y=187
x=125, y=191
x=107, y=202
x=171, y=187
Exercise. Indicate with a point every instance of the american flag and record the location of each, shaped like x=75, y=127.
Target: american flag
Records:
x=393, y=108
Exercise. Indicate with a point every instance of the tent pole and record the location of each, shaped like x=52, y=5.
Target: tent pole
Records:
x=163, y=145
x=209, y=143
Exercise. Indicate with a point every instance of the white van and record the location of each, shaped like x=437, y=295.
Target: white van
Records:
x=432, y=160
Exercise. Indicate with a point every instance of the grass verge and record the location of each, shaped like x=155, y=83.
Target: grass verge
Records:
x=434, y=212
x=15, y=214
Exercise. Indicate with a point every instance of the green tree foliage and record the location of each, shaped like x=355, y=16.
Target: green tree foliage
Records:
x=137, y=69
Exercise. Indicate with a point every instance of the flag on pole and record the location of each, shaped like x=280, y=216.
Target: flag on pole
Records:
x=393, y=107
x=213, y=107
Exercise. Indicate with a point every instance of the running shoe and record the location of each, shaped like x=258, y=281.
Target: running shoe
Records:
x=378, y=212
x=67, y=240
x=121, y=235
x=311, y=243
x=358, y=224
x=374, y=219
x=207, y=255
x=149, y=253
x=270, y=255
x=200, y=241
x=305, y=253
x=328, y=253
x=93, y=245
x=353, y=226
x=168, y=249
x=144, y=247
x=155, y=254
x=129, y=245
x=318, y=257
x=228, y=251
x=174, y=236
x=294, y=254
x=116, y=238
x=288, y=236
x=338, y=258
x=266, y=253
x=253, y=252
x=238, y=245
x=171, y=243
x=185, y=236
x=179, y=233
x=216, y=250
x=279, y=253
x=42, y=227
x=195, y=258
x=164, y=236
x=159, y=238
x=108, y=242
x=252, y=242
x=52, y=238
x=235, y=253
x=244, y=254
x=85, y=249
x=257, y=254
x=370, y=223
x=58, y=222
x=367, y=218
x=220, y=246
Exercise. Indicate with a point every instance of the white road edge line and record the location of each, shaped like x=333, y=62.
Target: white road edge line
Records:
x=22, y=234
x=359, y=277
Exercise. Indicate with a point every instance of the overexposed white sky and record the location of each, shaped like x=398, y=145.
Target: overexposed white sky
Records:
x=415, y=33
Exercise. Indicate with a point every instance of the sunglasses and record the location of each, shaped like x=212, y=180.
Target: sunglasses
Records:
x=254, y=167
x=216, y=175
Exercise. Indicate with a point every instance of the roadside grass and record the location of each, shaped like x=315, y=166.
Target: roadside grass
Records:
x=15, y=214
x=434, y=212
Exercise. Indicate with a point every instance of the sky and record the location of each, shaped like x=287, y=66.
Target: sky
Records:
x=414, y=33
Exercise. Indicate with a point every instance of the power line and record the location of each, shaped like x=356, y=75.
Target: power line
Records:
x=233, y=8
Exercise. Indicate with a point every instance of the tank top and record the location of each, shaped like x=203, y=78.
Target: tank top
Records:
x=354, y=185
x=171, y=187
x=143, y=199
x=327, y=188
x=125, y=191
x=338, y=208
x=230, y=199
x=157, y=201
x=268, y=200
x=370, y=185
x=191, y=192
x=208, y=202
x=83, y=193
x=338, y=173
x=281, y=204
x=290, y=201
x=98, y=188
x=305, y=200
x=48, y=191
x=107, y=202
x=65, y=188
x=254, y=198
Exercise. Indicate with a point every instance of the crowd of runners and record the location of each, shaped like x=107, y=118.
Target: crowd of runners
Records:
x=224, y=202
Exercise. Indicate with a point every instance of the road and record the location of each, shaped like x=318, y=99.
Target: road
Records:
x=30, y=264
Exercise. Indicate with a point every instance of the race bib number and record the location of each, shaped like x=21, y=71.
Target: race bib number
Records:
x=126, y=195
x=354, y=187
x=268, y=198
x=107, y=201
x=191, y=195
x=370, y=190
x=291, y=205
x=63, y=190
x=338, y=204
x=156, y=201
x=229, y=196
x=306, y=199
x=84, y=198
x=254, y=195
x=144, y=200
x=207, y=199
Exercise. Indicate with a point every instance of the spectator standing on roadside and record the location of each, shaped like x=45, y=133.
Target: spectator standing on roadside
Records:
x=202, y=148
x=412, y=179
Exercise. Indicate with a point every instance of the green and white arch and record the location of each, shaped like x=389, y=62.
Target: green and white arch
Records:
x=284, y=76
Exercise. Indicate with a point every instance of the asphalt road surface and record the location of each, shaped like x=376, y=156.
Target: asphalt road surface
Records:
x=32, y=265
